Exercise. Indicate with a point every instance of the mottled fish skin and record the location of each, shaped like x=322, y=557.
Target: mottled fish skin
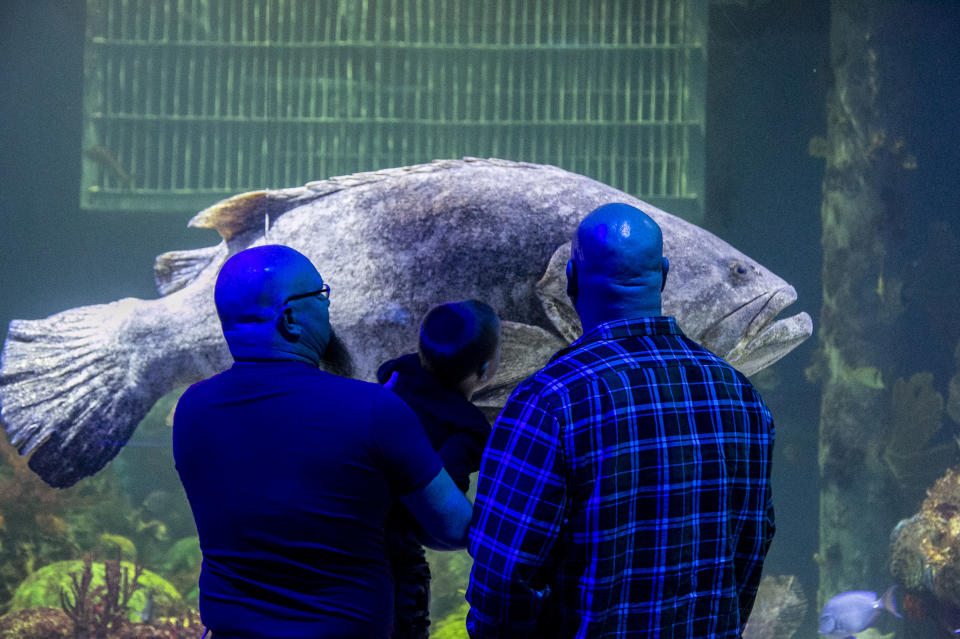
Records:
x=391, y=244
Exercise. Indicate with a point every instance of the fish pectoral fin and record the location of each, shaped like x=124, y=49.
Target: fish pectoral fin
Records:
x=524, y=349
x=248, y=211
x=175, y=269
x=551, y=290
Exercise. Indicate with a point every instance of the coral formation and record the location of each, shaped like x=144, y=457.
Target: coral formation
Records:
x=925, y=549
x=916, y=417
x=36, y=623
x=100, y=607
x=101, y=611
x=778, y=609
x=44, y=587
x=51, y=623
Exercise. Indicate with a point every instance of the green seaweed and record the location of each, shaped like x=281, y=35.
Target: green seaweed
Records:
x=453, y=626
x=184, y=555
x=110, y=544
x=182, y=567
x=450, y=573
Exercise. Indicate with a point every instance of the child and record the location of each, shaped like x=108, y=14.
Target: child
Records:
x=459, y=352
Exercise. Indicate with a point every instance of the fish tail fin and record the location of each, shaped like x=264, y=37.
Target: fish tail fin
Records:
x=71, y=387
x=889, y=602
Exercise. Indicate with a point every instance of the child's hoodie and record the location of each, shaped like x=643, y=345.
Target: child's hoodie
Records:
x=458, y=431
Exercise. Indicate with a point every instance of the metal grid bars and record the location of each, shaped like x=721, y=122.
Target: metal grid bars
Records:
x=189, y=101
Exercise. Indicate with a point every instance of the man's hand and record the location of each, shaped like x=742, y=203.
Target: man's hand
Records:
x=390, y=383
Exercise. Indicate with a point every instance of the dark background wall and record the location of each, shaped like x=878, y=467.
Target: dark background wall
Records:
x=54, y=256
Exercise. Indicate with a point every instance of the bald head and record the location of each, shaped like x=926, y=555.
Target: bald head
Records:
x=267, y=303
x=617, y=269
x=254, y=283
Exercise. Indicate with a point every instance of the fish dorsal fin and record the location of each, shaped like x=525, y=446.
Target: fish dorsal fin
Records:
x=174, y=270
x=247, y=211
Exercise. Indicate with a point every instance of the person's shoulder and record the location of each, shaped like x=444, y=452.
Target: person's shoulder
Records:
x=203, y=388
x=702, y=356
x=355, y=388
x=573, y=364
x=547, y=384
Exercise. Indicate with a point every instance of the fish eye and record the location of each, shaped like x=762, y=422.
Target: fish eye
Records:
x=738, y=269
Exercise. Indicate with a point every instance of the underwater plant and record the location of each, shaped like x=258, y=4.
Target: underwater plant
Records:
x=453, y=626
x=182, y=567
x=450, y=572
x=916, y=417
x=33, y=520
x=44, y=588
x=98, y=612
x=118, y=543
x=925, y=548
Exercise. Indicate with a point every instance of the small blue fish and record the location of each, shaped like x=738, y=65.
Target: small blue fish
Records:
x=147, y=612
x=854, y=611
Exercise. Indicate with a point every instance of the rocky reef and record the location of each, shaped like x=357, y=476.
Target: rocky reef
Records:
x=778, y=609
x=110, y=600
x=925, y=554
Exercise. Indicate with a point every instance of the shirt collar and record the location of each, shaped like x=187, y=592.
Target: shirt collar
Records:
x=631, y=327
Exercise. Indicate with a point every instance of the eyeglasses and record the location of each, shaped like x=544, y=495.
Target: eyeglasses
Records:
x=322, y=294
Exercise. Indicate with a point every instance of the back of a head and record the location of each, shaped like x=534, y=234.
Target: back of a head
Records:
x=253, y=282
x=619, y=243
x=617, y=269
x=251, y=289
x=456, y=339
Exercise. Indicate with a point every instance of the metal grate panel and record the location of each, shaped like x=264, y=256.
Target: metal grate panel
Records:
x=189, y=101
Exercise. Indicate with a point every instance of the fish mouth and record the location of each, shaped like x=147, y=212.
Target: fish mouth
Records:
x=766, y=338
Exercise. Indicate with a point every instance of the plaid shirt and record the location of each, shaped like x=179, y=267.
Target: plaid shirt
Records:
x=624, y=491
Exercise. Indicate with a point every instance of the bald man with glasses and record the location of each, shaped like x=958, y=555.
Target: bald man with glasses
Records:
x=290, y=470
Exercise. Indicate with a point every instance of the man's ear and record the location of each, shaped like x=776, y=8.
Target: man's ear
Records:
x=664, y=269
x=287, y=324
x=571, y=279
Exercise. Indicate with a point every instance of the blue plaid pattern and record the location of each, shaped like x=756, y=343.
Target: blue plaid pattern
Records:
x=624, y=491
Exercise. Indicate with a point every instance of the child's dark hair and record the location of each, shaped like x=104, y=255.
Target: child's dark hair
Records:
x=456, y=339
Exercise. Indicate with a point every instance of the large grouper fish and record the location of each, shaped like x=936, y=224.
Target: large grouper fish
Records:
x=391, y=244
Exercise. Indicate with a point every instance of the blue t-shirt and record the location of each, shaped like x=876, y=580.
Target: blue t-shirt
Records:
x=290, y=472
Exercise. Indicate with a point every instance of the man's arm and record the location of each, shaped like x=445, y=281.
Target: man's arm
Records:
x=521, y=498
x=442, y=511
x=416, y=474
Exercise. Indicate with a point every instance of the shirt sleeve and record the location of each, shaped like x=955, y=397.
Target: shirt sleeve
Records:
x=409, y=459
x=519, y=508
